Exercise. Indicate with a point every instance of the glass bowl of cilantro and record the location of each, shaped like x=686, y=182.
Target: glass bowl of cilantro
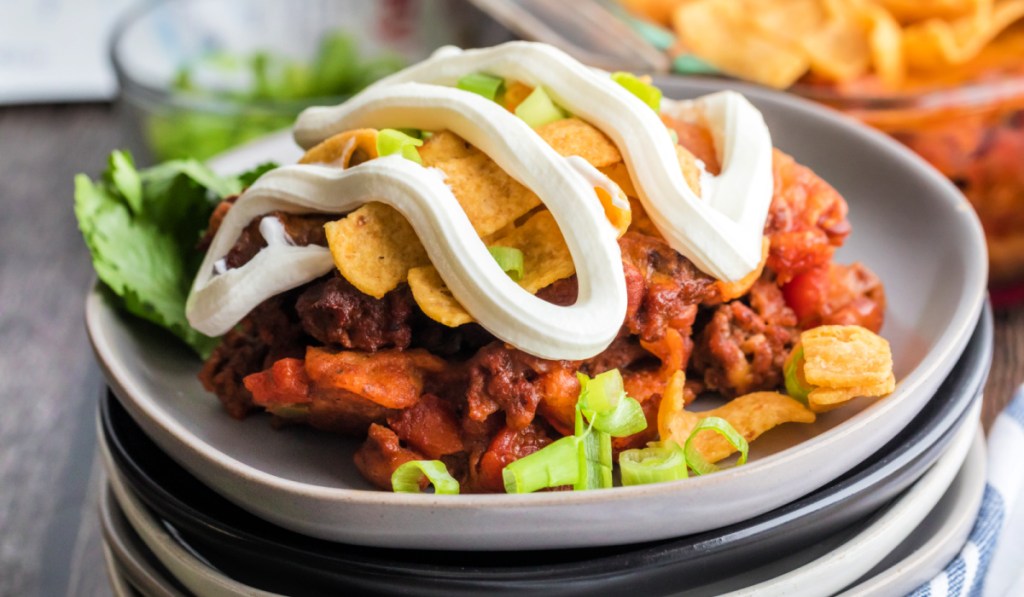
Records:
x=200, y=76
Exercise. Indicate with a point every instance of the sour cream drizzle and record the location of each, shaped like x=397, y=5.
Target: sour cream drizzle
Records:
x=565, y=185
x=720, y=232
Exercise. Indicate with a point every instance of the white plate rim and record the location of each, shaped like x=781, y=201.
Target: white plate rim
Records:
x=886, y=530
x=191, y=572
x=935, y=553
x=830, y=572
x=202, y=458
x=132, y=565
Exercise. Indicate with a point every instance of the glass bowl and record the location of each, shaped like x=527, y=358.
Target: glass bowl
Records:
x=200, y=76
x=969, y=124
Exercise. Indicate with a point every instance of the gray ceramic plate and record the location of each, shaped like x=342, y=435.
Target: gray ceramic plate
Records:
x=909, y=224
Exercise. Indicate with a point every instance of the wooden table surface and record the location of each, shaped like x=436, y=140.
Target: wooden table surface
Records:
x=49, y=477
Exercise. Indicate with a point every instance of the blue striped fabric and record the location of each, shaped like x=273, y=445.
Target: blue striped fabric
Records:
x=1015, y=410
x=965, y=575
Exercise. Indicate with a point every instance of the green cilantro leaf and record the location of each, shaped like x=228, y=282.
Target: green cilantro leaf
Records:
x=141, y=228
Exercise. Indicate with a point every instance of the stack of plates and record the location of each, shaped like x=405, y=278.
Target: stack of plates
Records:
x=873, y=498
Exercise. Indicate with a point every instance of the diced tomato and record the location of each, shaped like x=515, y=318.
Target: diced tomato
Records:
x=806, y=294
x=508, y=446
x=285, y=383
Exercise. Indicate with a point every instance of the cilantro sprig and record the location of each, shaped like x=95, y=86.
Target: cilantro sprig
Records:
x=142, y=226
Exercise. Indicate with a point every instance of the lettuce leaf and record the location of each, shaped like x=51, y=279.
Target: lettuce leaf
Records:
x=141, y=228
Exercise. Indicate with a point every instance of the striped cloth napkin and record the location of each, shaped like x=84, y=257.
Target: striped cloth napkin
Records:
x=990, y=564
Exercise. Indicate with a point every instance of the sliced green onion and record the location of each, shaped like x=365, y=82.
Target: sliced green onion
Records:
x=407, y=477
x=593, y=456
x=553, y=465
x=723, y=428
x=602, y=392
x=604, y=402
x=796, y=384
x=627, y=418
x=391, y=141
x=414, y=133
x=650, y=94
x=510, y=260
x=538, y=109
x=481, y=84
x=653, y=464
x=674, y=136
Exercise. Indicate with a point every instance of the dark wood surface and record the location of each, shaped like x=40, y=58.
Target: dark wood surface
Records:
x=49, y=477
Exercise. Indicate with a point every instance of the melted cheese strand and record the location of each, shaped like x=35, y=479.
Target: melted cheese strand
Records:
x=218, y=302
x=721, y=234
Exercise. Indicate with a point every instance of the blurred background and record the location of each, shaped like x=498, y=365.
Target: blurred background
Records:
x=192, y=78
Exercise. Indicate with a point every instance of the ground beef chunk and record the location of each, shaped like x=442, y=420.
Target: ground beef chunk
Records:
x=621, y=353
x=381, y=454
x=743, y=347
x=806, y=220
x=505, y=379
x=507, y=446
x=335, y=312
x=302, y=229
x=430, y=427
x=240, y=353
x=269, y=333
x=457, y=343
x=664, y=290
x=672, y=286
x=562, y=292
x=216, y=218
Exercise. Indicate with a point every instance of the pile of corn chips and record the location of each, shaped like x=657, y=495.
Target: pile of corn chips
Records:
x=376, y=249
x=776, y=42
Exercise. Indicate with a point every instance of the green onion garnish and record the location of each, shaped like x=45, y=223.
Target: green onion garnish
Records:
x=653, y=464
x=553, y=465
x=584, y=459
x=510, y=260
x=627, y=418
x=391, y=141
x=796, y=385
x=593, y=456
x=723, y=428
x=414, y=133
x=538, y=109
x=407, y=477
x=482, y=84
x=604, y=402
x=601, y=393
x=650, y=94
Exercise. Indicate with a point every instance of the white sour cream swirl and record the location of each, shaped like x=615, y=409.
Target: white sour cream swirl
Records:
x=720, y=231
x=565, y=185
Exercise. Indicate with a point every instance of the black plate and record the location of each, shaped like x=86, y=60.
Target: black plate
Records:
x=263, y=555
